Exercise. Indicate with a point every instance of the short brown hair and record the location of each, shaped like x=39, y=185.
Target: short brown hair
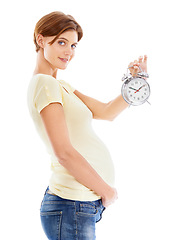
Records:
x=54, y=24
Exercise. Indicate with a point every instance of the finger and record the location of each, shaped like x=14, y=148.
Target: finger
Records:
x=136, y=64
x=140, y=59
x=130, y=65
x=145, y=58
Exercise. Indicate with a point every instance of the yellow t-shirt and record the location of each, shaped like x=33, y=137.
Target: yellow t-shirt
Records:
x=43, y=90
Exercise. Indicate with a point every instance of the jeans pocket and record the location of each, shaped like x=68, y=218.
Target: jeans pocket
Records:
x=101, y=209
x=87, y=209
x=51, y=223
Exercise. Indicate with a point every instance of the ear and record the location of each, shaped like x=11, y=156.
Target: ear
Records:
x=40, y=40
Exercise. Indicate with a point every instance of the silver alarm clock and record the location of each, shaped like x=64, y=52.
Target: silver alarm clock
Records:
x=135, y=90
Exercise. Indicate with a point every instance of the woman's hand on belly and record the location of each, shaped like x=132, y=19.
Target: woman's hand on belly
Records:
x=110, y=197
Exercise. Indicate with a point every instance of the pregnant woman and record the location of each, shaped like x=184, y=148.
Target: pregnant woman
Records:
x=82, y=181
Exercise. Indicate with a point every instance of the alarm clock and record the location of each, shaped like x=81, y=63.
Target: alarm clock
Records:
x=135, y=89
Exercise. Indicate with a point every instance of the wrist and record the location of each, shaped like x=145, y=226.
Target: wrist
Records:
x=106, y=191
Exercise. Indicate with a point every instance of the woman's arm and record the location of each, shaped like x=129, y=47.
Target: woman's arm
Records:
x=55, y=124
x=110, y=110
x=104, y=111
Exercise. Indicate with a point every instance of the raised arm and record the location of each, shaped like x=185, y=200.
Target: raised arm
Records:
x=105, y=111
x=110, y=110
x=55, y=124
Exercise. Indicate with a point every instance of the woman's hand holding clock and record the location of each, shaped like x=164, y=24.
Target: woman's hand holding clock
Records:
x=134, y=66
x=136, y=90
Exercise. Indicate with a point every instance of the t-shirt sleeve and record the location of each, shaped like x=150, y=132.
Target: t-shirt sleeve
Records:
x=68, y=86
x=48, y=90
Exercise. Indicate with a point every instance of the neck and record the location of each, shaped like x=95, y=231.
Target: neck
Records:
x=43, y=66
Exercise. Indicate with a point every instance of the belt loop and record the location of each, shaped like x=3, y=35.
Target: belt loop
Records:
x=46, y=190
x=77, y=206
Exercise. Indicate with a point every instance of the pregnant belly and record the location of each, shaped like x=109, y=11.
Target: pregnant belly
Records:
x=98, y=156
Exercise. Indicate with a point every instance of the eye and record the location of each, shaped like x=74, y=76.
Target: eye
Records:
x=62, y=43
x=73, y=46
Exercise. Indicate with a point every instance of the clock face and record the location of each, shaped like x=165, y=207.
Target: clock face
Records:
x=136, y=91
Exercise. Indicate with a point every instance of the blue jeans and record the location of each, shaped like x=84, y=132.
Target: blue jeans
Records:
x=64, y=219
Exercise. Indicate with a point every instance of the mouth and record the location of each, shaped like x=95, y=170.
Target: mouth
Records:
x=65, y=60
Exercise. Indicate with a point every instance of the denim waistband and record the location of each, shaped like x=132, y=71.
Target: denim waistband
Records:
x=49, y=197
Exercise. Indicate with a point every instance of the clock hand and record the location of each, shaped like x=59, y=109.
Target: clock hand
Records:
x=139, y=89
x=132, y=88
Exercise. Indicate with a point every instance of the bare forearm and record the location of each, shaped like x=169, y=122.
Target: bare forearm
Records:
x=115, y=107
x=105, y=111
x=84, y=173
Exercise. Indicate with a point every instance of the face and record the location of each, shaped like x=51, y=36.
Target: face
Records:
x=61, y=52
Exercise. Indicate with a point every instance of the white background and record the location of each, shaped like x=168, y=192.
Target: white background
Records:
x=149, y=144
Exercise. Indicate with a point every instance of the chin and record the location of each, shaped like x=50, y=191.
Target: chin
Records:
x=63, y=68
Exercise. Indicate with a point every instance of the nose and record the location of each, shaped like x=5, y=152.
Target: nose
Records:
x=68, y=51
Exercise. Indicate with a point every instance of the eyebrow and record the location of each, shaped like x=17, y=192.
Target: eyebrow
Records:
x=66, y=40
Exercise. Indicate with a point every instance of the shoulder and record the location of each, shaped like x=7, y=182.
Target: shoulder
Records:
x=45, y=90
x=67, y=86
x=43, y=79
x=46, y=82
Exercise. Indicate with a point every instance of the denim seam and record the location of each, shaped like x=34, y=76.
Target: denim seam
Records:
x=57, y=202
x=47, y=213
x=76, y=224
x=88, y=205
x=59, y=226
x=87, y=214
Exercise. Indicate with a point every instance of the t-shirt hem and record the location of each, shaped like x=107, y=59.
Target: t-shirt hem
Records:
x=90, y=197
